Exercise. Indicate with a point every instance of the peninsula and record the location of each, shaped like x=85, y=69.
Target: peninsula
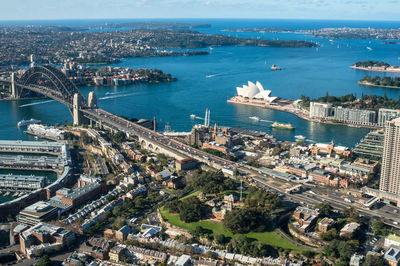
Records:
x=376, y=66
x=97, y=47
x=334, y=33
x=385, y=82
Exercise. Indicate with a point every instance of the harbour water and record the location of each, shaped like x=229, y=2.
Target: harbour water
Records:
x=208, y=81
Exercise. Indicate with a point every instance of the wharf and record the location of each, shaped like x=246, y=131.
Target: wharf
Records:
x=294, y=108
x=288, y=106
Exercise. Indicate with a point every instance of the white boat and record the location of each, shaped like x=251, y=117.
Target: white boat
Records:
x=24, y=123
x=275, y=67
x=369, y=48
x=300, y=137
x=192, y=116
x=255, y=118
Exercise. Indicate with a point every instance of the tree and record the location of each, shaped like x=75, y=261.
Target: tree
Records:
x=191, y=210
x=38, y=253
x=44, y=261
x=325, y=209
x=352, y=214
x=220, y=239
x=173, y=206
x=379, y=228
x=246, y=219
x=85, y=138
x=308, y=253
x=374, y=260
x=119, y=137
x=340, y=250
x=329, y=235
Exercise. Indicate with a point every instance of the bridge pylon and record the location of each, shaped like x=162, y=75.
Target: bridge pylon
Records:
x=92, y=100
x=14, y=89
x=76, y=110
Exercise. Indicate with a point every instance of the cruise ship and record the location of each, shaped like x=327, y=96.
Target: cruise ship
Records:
x=24, y=123
x=45, y=131
x=282, y=126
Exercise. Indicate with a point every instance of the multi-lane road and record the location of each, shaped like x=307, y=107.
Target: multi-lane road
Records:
x=312, y=195
x=336, y=198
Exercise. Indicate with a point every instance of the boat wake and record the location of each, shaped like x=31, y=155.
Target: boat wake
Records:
x=114, y=93
x=266, y=121
x=116, y=96
x=37, y=103
x=213, y=75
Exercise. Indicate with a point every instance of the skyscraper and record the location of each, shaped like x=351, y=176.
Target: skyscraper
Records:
x=390, y=172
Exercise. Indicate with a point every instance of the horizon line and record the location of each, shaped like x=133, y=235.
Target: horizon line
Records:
x=198, y=18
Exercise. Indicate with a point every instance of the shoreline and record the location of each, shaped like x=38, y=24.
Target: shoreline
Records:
x=376, y=70
x=295, y=110
x=374, y=85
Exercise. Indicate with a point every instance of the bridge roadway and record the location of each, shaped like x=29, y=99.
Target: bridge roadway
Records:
x=121, y=124
x=262, y=179
x=55, y=95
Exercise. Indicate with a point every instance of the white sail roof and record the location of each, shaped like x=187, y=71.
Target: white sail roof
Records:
x=255, y=91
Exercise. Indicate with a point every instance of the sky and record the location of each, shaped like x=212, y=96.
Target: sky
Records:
x=292, y=9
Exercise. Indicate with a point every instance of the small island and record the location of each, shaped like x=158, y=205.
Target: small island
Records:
x=385, y=82
x=375, y=66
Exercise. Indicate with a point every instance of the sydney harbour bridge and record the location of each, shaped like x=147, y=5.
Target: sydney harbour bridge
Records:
x=51, y=82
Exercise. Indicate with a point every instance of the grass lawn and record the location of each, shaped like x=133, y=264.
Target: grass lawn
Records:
x=271, y=238
x=190, y=195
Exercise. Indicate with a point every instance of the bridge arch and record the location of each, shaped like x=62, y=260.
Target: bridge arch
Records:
x=143, y=144
x=62, y=89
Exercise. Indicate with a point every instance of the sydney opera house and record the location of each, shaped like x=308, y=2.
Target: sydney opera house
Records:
x=255, y=91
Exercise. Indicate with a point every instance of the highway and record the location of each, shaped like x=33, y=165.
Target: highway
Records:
x=131, y=128
x=319, y=194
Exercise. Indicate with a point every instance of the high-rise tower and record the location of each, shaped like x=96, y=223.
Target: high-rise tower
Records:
x=390, y=171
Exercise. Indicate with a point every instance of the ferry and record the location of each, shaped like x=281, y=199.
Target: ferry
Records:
x=275, y=67
x=282, y=126
x=24, y=123
x=300, y=137
x=255, y=118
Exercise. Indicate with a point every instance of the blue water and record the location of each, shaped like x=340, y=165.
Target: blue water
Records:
x=308, y=71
